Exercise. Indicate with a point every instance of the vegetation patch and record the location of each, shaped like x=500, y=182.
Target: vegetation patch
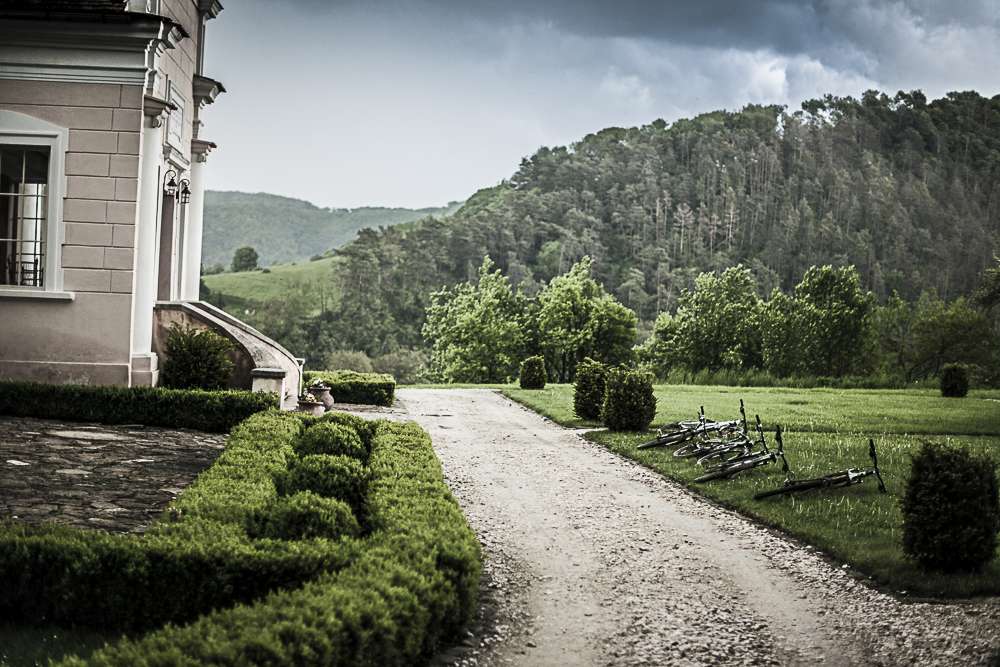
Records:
x=359, y=388
x=210, y=411
x=411, y=584
x=857, y=525
x=532, y=375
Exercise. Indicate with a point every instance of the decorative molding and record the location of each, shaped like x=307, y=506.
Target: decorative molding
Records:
x=209, y=9
x=154, y=108
x=84, y=52
x=176, y=158
x=206, y=90
x=200, y=148
x=36, y=294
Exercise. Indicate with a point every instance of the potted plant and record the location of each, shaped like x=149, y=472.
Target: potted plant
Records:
x=310, y=405
x=321, y=392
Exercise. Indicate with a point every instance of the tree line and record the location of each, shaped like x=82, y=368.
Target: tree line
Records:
x=904, y=189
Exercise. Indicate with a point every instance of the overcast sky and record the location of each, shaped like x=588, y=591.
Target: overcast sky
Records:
x=417, y=102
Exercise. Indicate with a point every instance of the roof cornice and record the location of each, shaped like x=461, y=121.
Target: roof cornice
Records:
x=209, y=8
x=206, y=89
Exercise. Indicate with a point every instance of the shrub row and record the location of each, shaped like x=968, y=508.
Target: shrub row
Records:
x=199, y=556
x=213, y=411
x=622, y=398
x=354, y=387
x=412, y=586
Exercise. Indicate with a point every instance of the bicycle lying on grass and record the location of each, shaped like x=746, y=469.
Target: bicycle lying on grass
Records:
x=848, y=477
x=754, y=459
x=681, y=432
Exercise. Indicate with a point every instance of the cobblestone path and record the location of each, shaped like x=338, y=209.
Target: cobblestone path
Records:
x=113, y=477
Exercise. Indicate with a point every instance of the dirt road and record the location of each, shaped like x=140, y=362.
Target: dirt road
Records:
x=594, y=560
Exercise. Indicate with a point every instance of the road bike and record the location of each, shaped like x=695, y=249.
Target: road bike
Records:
x=679, y=433
x=844, y=478
x=754, y=459
x=700, y=444
x=730, y=450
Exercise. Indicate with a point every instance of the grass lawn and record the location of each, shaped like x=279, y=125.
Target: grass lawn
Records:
x=259, y=286
x=22, y=645
x=826, y=430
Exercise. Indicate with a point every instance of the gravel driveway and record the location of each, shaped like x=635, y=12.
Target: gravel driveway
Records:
x=592, y=559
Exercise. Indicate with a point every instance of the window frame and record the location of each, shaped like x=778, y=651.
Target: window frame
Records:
x=20, y=129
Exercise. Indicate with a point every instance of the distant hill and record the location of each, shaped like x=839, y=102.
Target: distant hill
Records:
x=285, y=230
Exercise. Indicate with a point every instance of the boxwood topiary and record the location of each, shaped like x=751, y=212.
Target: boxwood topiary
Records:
x=951, y=513
x=327, y=475
x=533, y=373
x=331, y=438
x=629, y=403
x=954, y=380
x=304, y=515
x=588, y=393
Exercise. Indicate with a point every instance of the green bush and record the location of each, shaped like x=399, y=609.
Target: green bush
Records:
x=331, y=438
x=533, y=373
x=56, y=574
x=951, y=512
x=954, y=380
x=330, y=476
x=213, y=411
x=304, y=515
x=588, y=391
x=359, y=388
x=629, y=403
x=412, y=587
x=196, y=359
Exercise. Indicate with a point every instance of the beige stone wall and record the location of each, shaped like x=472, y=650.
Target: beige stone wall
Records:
x=88, y=339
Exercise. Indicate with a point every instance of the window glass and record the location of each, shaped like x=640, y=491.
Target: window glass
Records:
x=23, y=214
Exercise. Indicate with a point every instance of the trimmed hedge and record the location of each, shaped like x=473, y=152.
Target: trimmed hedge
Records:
x=331, y=438
x=588, y=391
x=629, y=403
x=305, y=515
x=358, y=388
x=954, y=380
x=951, y=510
x=213, y=411
x=412, y=586
x=532, y=375
x=329, y=476
x=131, y=582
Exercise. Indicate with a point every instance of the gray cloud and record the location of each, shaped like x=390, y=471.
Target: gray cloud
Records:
x=348, y=103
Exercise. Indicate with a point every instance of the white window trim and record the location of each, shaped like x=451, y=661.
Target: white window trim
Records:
x=19, y=128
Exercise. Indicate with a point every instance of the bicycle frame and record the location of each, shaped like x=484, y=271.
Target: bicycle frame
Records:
x=843, y=478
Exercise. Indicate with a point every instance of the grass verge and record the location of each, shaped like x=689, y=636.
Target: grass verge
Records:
x=827, y=431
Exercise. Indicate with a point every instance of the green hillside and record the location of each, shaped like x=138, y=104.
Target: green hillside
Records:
x=284, y=230
x=275, y=283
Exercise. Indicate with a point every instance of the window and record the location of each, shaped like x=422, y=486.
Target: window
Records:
x=24, y=206
x=175, y=121
x=32, y=181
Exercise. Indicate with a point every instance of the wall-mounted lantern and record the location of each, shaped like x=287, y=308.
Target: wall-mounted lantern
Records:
x=170, y=183
x=185, y=191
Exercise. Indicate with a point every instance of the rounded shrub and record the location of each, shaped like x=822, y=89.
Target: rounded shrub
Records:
x=533, y=373
x=954, y=380
x=629, y=403
x=196, y=359
x=951, y=512
x=588, y=391
x=331, y=438
x=302, y=516
x=330, y=476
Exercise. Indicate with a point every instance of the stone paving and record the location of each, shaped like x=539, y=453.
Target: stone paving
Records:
x=117, y=478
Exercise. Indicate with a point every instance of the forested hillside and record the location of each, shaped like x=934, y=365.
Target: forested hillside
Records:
x=282, y=229
x=904, y=189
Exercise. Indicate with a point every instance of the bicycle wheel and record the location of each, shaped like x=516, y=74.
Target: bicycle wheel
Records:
x=721, y=456
x=690, y=450
x=727, y=471
x=794, y=487
x=668, y=440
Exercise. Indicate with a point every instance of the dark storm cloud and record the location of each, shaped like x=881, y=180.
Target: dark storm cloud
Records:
x=414, y=102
